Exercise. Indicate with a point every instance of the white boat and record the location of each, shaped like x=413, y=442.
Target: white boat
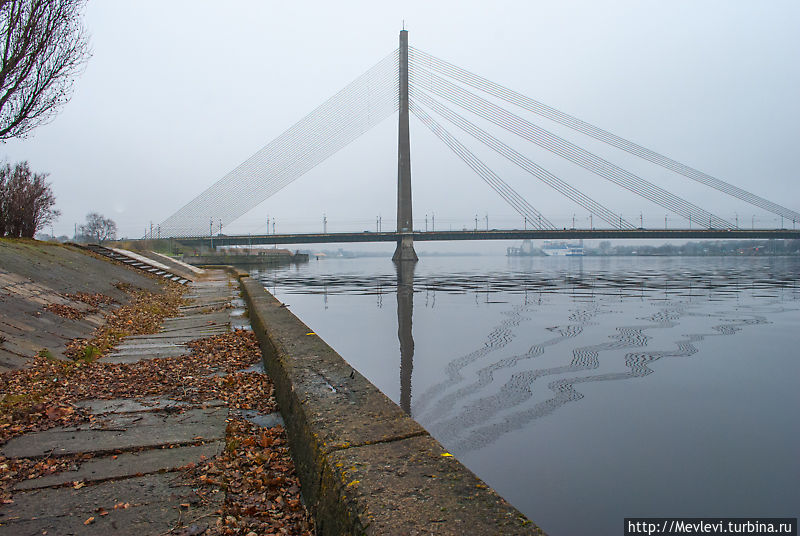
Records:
x=562, y=249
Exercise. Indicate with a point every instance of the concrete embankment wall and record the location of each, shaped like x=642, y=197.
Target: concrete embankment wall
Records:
x=244, y=260
x=365, y=466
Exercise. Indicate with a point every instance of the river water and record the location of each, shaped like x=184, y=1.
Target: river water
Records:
x=584, y=390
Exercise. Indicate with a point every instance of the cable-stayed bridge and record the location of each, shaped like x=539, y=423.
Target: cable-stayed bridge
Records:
x=447, y=99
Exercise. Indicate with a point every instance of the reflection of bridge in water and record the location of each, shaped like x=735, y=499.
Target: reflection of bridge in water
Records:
x=465, y=412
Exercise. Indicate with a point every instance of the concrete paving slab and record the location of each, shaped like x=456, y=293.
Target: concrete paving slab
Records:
x=154, y=508
x=135, y=357
x=208, y=328
x=123, y=432
x=128, y=465
x=146, y=345
x=131, y=405
x=11, y=361
x=191, y=316
x=193, y=324
x=211, y=303
x=184, y=337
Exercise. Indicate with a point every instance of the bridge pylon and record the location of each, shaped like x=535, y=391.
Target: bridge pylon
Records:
x=405, y=244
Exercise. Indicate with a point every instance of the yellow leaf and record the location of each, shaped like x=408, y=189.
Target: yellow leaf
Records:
x=353, y=483
x=447, y=455
x=310, y=333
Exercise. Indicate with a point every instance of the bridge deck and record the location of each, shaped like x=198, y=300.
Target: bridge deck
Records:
x=503, y=234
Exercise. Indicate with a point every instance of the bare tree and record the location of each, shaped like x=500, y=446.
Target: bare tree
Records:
x=43, y=46
x=99, y=228
x=26, y=201
x=3, y=203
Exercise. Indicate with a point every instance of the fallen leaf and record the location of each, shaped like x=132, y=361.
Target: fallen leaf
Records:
x=56, y=412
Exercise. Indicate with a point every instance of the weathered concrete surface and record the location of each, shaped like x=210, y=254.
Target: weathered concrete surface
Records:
x=132, y=405
x=154, y=507
x=408, y=487
x=209, y=313
x=35, y=274
x=365, y=466
x=122, y=431
x=136, y=446
x=127, y=465
x=157, y=500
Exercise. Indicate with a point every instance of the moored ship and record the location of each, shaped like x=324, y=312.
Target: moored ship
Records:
x=562, y=249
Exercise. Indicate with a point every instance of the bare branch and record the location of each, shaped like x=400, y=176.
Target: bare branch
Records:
x=43, y=46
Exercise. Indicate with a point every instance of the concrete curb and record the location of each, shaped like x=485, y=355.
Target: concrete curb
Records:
x=365, y=466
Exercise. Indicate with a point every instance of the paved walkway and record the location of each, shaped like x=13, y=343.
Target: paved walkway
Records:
x=155, y=437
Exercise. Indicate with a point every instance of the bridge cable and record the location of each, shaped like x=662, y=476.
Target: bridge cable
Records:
x=520, y=160
x=293, y=151
x=362, y=104
x=527, y=103
x=283, y=171
x=656, y=197
x=569, y=151
x=505, y=191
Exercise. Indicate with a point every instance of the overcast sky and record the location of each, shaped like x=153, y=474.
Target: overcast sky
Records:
x=178, y=93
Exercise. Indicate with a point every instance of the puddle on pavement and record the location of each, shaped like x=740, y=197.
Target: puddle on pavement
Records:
x=264, y=420
x=255, y=367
